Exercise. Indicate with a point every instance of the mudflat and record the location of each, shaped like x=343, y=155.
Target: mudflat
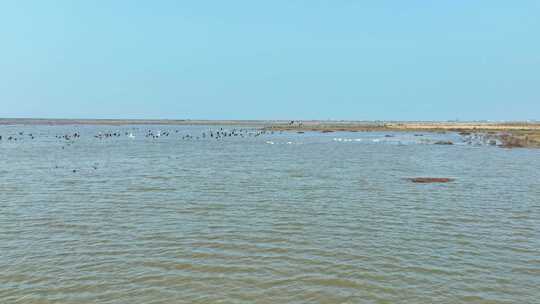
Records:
x=511, y=134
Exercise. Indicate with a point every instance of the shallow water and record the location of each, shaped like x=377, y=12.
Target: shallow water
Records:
x=276, y=218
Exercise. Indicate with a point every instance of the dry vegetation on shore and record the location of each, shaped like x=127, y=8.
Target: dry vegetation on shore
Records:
x=511, y=134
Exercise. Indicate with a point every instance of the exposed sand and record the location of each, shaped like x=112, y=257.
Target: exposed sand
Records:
x=405, y=126
x=512, y=134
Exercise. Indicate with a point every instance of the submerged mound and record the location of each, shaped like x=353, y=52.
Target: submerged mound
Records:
x=426, y=180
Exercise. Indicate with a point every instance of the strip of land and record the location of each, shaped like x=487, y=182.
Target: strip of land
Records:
x=511, y=134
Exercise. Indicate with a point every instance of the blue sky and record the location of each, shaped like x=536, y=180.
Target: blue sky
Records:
x=281, y=59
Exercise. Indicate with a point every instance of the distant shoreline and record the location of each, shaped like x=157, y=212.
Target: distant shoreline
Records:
x=281, y=124
x=123, y=122
x=512, y=134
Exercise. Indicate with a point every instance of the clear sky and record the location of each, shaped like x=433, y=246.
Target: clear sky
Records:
x=279, y=59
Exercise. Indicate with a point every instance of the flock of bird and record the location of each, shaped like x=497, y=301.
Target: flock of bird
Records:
x=67, y=139
x=15, y=138
x=153, y=134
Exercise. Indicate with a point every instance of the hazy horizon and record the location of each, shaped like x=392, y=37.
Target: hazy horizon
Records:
x=23, y=119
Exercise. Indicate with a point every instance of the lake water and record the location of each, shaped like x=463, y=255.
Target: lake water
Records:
x=275, y=218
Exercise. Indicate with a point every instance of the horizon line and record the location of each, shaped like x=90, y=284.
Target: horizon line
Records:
x=199, y=121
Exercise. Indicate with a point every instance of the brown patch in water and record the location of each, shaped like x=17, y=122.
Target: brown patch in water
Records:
x=427, y=180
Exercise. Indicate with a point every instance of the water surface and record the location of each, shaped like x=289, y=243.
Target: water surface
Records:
x=275, y=218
